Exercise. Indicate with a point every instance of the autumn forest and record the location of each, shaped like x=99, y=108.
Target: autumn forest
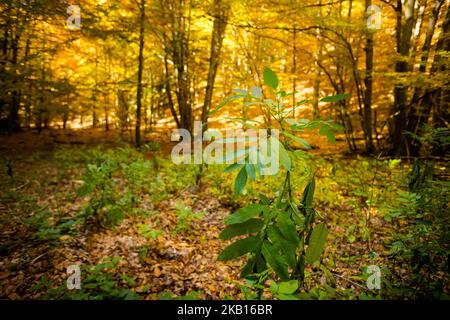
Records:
x=224, y=149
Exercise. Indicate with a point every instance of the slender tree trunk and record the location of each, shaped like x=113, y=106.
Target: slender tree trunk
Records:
x=107, y=96
x=3, y=60
x=152, y=101
x=221, y=11
x=40, y=109
x=94, y=113
x=368, y=88
x=65, y=116
x=16, y=92
x=180, y=46
x=147, y=105
x=140, y=69
x=418, y=25
x=416, y=111
x=318, y=60
x=399, y=147
x=29, y=87
x=169, y=91
x=439, y=97
x=106, y=110
x=443, y=105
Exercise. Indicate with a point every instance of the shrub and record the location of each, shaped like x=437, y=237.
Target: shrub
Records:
x=284, y=236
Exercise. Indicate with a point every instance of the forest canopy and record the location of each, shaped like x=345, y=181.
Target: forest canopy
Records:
x=125, y=64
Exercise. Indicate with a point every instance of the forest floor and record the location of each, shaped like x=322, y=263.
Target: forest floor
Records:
x=40, y=177
x=178, y=263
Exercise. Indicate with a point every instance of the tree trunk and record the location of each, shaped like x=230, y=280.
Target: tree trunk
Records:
x=221, y=12
x=140, y=69
x=404, y=32
x=169, y=91
x=152, y=101
x=180, y=45
x=29, y=87
x=16, y=92
x=439, y=97
x=318, y=60
x=415, y=119
x=368, y=89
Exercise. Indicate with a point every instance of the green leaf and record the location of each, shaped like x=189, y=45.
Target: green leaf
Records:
x=336, y=98
x=288, y=287
x=249, y=226
x=283, y=296
x=337, y=127
x=283, y=245
x=228, y=100
x=250, y=168
x=316, y=243
x=270, y=78
x=285, y=158
x=328, y=132
x=241, y=181
x=330, y=136
x=261, y=264
x=287, y=228
x=270, y=214
x=248, y=268
x=238, y=155
x=264, y=199
x=239, y=248
x=91, y=285
x=297, y=216
x=275, y=261
x=284, y=155
x=314, y=124
x=305, y=101
x=274, y=287
x=233, y=167
x=245, y=214
x=308, y=194
x=300, y=141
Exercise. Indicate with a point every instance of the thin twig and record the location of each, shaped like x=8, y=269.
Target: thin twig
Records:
x=22, y=186
x=38, y=257
x=352, y=282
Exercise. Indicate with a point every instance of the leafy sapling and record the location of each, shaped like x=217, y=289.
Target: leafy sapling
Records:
x=185, y=217
x=283, y=234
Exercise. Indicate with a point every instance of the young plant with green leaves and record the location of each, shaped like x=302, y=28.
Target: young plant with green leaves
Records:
x=136, y=174
x=99, y=185
x=185, y=217
x=421, y=234
x=114, y=182
x=103, y=281
x=284, y=235
x=148, y=232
